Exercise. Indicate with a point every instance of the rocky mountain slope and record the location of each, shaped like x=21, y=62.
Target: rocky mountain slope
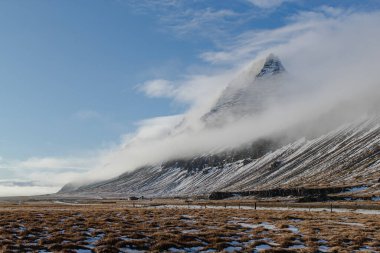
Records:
x=347, y=156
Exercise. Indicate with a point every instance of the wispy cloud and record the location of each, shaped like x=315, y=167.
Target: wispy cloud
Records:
x=143, y=5
x=268, y=3
x=157, y=88
x=249, y=44
x=153, y=128
x=194, y=19
x=87, y=115
x=206, y=22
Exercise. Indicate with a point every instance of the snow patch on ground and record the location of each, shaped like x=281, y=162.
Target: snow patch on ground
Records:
x=187, y=250
x=265, y=225
x=262, y=247
x=232, y=249
x=324, y=248
x=294, y=229
x=357, y=189
x=351, y=224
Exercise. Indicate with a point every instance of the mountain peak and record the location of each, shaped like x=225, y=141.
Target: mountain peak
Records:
x=272, y=66
x=248, y=93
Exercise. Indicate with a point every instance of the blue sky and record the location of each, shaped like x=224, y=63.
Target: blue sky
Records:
x=71, y=72
x=69, y=69
x=61, y=59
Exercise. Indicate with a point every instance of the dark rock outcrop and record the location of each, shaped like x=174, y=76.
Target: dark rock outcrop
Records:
x=306, y=193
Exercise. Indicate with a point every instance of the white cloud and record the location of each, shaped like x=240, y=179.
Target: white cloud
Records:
x=156, y=127
x=267, y=3
x=12, y=190
x=191, y=89
x=54, y=163
x=158, y=88
x=41, y=175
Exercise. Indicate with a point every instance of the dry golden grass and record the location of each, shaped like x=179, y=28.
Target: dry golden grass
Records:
x=110, y=228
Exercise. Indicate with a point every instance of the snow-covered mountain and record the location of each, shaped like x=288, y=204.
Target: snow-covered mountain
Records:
x=349, y=155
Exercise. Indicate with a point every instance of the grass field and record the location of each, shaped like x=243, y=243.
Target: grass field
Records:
x=116, y=227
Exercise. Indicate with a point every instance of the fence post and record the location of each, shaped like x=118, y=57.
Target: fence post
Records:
x=331, y=207
x=255, y=205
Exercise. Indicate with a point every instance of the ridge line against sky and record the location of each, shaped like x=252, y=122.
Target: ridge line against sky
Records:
x=82, y=79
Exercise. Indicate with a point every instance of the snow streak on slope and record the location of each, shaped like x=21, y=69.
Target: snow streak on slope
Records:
x=350, y=154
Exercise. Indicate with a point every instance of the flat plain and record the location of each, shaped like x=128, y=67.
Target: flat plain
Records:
x=120, y=227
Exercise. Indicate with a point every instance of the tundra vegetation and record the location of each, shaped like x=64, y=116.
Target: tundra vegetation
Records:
x=120, y=227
